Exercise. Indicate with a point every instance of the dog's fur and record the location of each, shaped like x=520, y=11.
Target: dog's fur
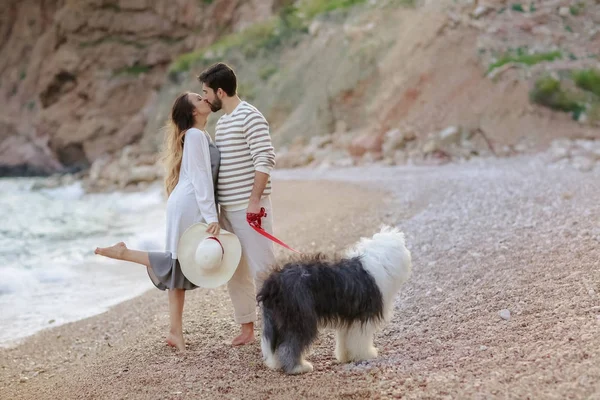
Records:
x=354, y=295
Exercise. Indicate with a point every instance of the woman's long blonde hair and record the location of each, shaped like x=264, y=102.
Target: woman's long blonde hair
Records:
x=182, y=119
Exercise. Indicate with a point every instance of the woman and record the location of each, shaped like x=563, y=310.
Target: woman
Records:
x=192, y=162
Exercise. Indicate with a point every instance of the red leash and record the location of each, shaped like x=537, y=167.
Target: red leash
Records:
x=255, y=222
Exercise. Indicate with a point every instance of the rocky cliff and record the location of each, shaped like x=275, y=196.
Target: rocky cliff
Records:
x=77, y=77
x=412, y=81
x=343, y=83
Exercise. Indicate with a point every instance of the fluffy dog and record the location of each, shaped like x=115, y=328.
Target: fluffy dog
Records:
x=353, y=295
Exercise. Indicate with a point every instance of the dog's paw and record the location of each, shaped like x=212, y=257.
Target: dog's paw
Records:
x=342, y=357
x=367, y=354
x=301, y=368
x=371, y=353
x=272, y=363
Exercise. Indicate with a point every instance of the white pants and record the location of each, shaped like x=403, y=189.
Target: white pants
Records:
x=256, y=262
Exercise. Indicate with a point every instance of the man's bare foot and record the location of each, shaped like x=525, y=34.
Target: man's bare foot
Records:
x=176, y=341
x=247, y=335
x=115, y=251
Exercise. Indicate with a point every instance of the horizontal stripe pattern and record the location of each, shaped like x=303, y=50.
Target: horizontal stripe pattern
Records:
x=245, y=144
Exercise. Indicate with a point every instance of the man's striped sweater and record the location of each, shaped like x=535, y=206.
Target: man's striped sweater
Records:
x=244, y=142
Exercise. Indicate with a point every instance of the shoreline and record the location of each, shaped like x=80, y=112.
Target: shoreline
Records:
x=72, y=344
x=101, y=263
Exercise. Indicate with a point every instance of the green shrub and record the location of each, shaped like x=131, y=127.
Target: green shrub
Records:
x=588, y=79
x=548, y=92
x=288, y=25
x=312, y=8
x=528, y=59
x=517, y=7
x=577, y=9
x=266, y=36
x=267, y=72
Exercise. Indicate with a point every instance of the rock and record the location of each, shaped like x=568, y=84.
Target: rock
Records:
x=320, y=142
x=366, y=143
x=445, y=139
x=400, y=157
x=449, y=135
x=504, y=314
x=583, y=163
x=564, y=11
x=566, y=143
x=293, y=159
x=77, y=77
x=23, y=379
x=481, y=10
x=393, y=140
x=141, y=173
x=342, y=141
x=431, y=145
x=521, y=147
x=344, y=162
x=50, y=182
x=558, y=153
x=588, y=148
x=97, y=168
x=112, y=172
x=371, y=157
x=409, y=134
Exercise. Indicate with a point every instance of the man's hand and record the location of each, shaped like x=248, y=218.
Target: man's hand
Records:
x=255, y=219
x=260, y=182
x=253, y=207
x=214, y=229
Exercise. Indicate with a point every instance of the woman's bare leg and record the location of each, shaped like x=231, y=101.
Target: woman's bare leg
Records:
x=120, y=252
x=175, y=337
x=176, y=296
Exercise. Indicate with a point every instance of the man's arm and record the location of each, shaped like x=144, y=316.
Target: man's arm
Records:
x=256, y=131
x=260, y=182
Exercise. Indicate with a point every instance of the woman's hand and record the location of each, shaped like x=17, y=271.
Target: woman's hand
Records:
x=214, y=229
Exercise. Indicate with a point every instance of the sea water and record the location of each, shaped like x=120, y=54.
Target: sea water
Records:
x=49, y=274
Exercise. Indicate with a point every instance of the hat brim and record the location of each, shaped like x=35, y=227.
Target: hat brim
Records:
x=186, y=250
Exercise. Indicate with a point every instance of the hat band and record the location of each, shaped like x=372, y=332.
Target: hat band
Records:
x=220, y=244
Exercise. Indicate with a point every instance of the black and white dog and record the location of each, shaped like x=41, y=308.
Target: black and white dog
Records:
x=353, y=295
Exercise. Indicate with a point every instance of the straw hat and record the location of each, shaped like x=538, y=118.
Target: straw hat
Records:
x=208, y=261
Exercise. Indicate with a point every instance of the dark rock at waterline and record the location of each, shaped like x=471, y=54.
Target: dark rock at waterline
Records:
x=25, y=170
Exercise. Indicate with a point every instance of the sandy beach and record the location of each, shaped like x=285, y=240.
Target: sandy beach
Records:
x=488, y=239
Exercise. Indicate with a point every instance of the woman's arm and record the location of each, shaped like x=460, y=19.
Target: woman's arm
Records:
x=199, y=170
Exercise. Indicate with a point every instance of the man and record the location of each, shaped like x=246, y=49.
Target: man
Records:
x=243, y=188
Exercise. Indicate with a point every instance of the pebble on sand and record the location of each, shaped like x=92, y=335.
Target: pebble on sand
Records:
x=504, y=314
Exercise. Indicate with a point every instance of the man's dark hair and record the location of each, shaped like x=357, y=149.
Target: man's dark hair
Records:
x=220, y=75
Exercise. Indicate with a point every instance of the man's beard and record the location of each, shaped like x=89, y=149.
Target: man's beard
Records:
x=216, y=105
